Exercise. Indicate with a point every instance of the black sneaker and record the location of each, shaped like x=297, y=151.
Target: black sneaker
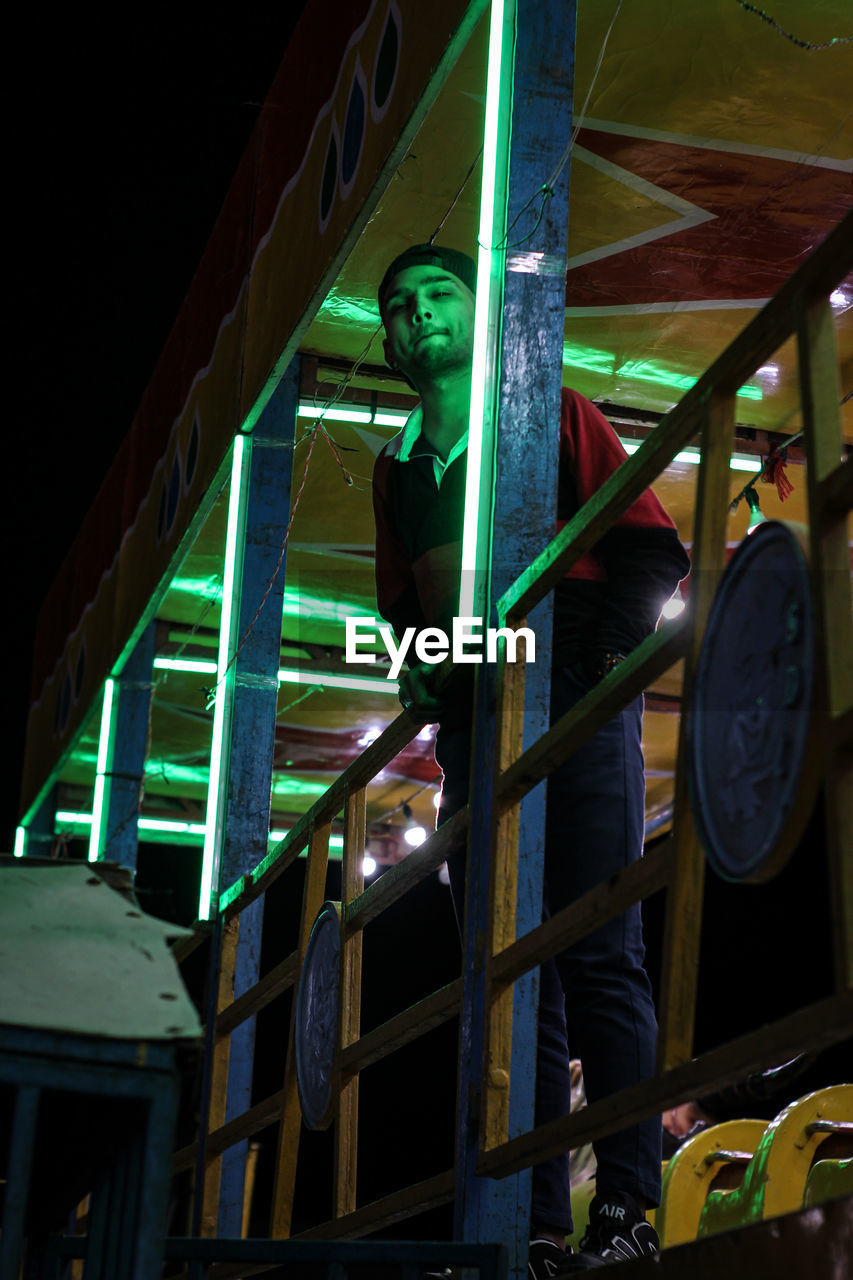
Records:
x=545, y=1260
x=617, y=1232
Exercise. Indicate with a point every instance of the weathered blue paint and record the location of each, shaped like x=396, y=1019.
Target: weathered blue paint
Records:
x=128, y=747
x=40, y=831
x=130, y=1195
x=247, y=813
x=524, y=517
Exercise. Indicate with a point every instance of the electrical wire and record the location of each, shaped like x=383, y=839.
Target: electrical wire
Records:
x=801, y=44
x=456, y=198
x=776, y=454
x=548, y=188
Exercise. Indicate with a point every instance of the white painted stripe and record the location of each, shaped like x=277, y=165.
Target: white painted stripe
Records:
x=685, y=208
x=720, y=144
x=690, y=215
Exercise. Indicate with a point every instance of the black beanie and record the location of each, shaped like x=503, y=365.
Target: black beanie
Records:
x=421, y=255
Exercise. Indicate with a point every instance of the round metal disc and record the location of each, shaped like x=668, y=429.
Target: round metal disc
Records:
x=752, y=773
x=316, y=1031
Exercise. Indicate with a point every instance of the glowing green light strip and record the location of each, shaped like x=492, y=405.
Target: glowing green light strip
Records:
x=338, y=413
x=335, y=842
x=390, y=419
x=20, y=841
x=68, y=817
x=179, y=828
x=365, y=684
x=736, y=463
x=99, y=807
x=487, y=313
x=217, y=780
x=185, y=664
x=333, y=414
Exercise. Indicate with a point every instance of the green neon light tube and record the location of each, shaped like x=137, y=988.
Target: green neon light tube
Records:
x=68, y=817
x=96, y=833
x=20, y=841
x=736, y=462
x=390, y=419
x=365, y=684
x=335, y=842
x=222, y=698
x=487, y=312
x=339, y=413
x=336, y=414
x=185, y=664
x=179, y=828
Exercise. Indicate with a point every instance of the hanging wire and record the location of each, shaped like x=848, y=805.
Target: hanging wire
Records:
x=563, y=161
x=314, y=688
x=456, y=198
x=801, y=44
x=389, y=813
x=547, y=190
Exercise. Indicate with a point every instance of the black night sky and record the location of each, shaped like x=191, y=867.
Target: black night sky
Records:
x=125, y=133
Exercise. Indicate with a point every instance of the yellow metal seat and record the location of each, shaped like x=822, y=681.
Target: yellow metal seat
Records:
x=716, y=1155
x=828, y=1179
x=776, y=1178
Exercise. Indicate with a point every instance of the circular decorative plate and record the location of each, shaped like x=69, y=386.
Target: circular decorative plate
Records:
x=752, y=766
x=316, y=1032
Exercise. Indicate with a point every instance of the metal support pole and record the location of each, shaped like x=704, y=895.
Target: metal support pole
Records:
x=39, y=834
x=126, y=765
x=525, y=493
x=247, y=815
x=19, y=1171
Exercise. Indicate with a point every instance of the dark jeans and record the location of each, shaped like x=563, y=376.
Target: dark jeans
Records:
x=595, y=999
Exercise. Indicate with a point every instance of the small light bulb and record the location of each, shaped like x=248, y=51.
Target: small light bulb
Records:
x=414, y=836
x=368, y=865
x=673, y=607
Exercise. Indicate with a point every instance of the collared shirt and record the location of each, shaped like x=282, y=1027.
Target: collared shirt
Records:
x=414, y=443
x=610, y=598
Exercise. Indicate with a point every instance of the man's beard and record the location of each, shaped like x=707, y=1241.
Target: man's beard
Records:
x=433, y=358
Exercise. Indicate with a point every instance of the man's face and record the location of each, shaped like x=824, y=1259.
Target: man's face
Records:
x=429, y=322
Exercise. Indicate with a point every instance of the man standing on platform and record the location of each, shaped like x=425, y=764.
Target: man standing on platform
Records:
x=595, y=999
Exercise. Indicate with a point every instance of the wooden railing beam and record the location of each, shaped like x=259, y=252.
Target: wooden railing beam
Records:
x=291, y=1113
x=647, y=663
x=405, y=1027
x=349, y=1022
x=683, y=921
x=607, y=900
x=821, y=1024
